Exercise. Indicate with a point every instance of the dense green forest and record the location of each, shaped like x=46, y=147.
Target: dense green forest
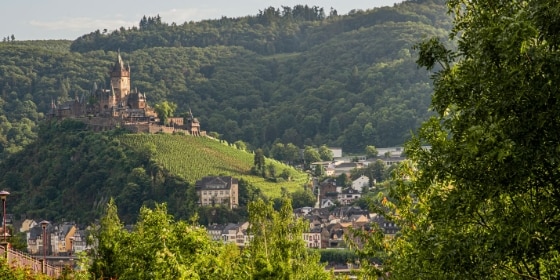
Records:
x=297, y=75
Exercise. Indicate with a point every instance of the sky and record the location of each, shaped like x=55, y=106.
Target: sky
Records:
x=69, y=19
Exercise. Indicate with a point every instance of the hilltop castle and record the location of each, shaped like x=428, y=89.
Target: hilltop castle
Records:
x=119, y=105
x=118, y=101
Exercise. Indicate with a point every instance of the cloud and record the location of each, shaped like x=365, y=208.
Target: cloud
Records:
x=83, y=24
x=88, y=24
x=180, y=16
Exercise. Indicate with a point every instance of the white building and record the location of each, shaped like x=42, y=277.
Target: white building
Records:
x=348, y=196
x=360, y=183
x=312, y=239
x=218, y=191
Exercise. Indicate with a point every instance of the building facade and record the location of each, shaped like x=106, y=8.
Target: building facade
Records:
x=220, y=190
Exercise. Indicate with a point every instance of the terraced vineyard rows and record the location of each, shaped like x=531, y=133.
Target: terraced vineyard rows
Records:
x=195, y=157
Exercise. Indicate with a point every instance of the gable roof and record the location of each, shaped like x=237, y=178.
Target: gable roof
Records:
x=224, y=181
x=363, y=177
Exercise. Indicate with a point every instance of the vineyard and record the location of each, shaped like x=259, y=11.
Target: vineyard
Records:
x=195, y=157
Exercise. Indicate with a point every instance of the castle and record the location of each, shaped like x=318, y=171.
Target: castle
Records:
x=119, y=106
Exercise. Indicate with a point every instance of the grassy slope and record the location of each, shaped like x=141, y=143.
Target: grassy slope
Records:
x=195, y=157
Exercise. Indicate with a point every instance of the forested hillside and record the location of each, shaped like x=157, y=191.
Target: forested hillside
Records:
x=71, y=173
x=298, y=75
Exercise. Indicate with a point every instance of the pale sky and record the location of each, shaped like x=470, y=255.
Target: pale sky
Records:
x=69, y=19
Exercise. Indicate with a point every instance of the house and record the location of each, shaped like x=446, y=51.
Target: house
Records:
x=390, y=152
x=312, y=238
x=328, y=189
x=358, y=219
x=318, y=216
x=78, y=242
x=327, y=202
x=348, y=211
x=215, y=232
x=63, y=238
x=234, y=233
x=220, y=190
x=37, y=243
x=242, y=238
x=229, y=233
x=329, y=171
x=388, y=161
x=347, y=167
x=388, y=227
x=336, y=234
x=337, y=152
x=347, y=196
x=360, y=183
x=303, y=211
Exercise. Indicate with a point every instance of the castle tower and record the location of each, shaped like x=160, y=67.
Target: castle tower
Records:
x=120, y=79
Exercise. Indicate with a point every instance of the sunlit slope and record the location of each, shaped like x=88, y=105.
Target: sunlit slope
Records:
x=195, y=157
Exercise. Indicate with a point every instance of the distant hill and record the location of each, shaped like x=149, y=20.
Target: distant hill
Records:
x=300, y=75
x=70, y=173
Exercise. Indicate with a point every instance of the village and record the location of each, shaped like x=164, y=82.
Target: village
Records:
x=331, y=220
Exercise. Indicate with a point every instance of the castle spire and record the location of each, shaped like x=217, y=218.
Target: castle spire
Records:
x=119, y=64
x=53, y=107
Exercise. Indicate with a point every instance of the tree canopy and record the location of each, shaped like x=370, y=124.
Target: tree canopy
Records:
x=158, y=247
x=483, y=201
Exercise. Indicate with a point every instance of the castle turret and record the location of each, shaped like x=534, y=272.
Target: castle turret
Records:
x=120, y=79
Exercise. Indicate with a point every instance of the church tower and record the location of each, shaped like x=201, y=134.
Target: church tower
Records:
x=120, y=80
